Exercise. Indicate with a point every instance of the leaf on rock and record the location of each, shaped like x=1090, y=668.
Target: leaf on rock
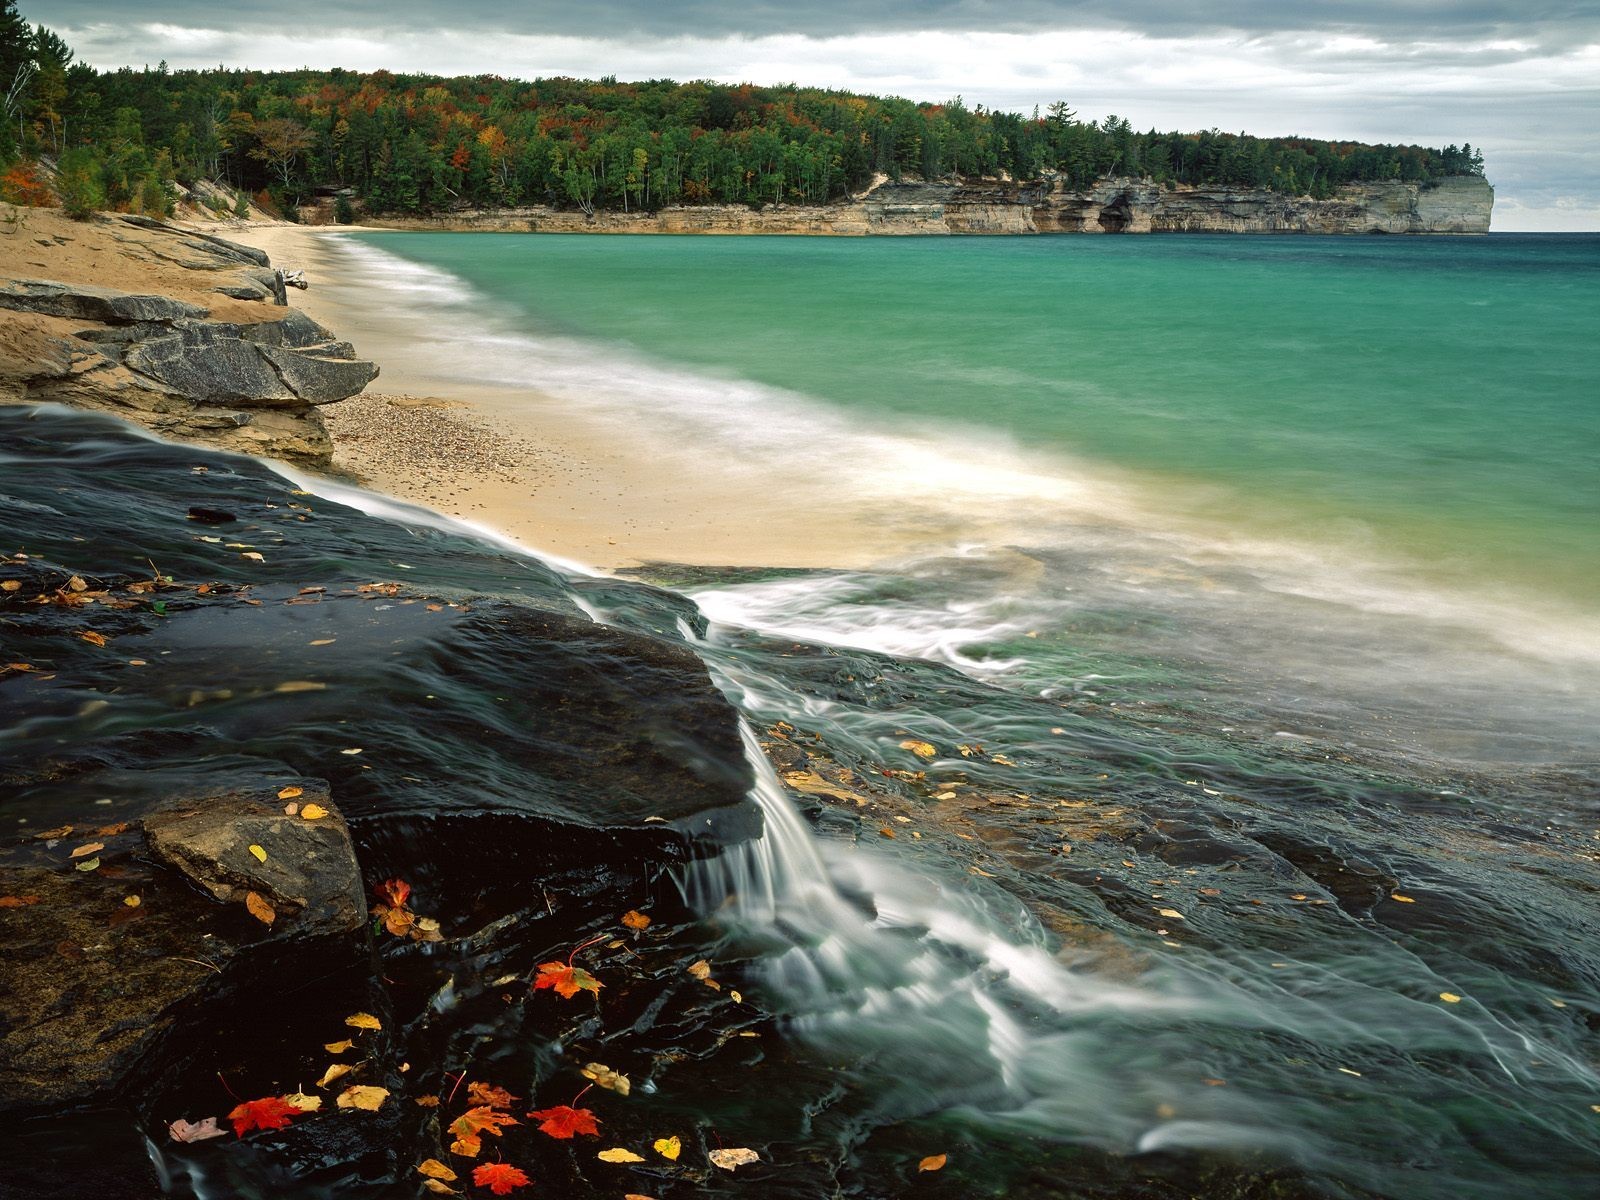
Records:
x=471, y=1125
x=567, y=980
x=920, y=749
x=398, y=921
x=487, y=1093
x=634, y=919
x=289, y=793
x=363, y=1096
x=253, y=556
x=17, y=901
x=434, y=1169
x=618, y=1155
x=700, y=970
x=338, y=1047
x=195, y=1131
x=46, y=835
x=93, y=638
x=270, y=1112
x=439, y=1188
x=260, y=908
x=500, y=1178
x=259, y=854
x=363, y=1021
x=1172, y=913
x=334, y=1071
x=934, y=1162
x=393, y=892
x=733, y=1158
x=89, y=864
x=305, y=1103
x=87, y=848
x=668, y=1148
x=607, y=1078
x=1450, y=997
x=563, y=1121
x=313, y=812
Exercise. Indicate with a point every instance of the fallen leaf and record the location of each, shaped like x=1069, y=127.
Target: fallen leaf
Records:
x=700, y=970
x=363, y=1096
x=605, y=1077
x=980, y=871
x=87, y=848
x=1348, y=1071
x=322, y=642
x=567, y=980
x=434, y=1169
x=363, y=1020
x=93, y=638
x=17, y=901
x=10, y=585
x=634, y=919
x=486, y=1093
x=499, y=1178
x=439, y=1188
x=393, y=892
x=289, y=793
x=260, y=908
x=426, y=1101
x=271, y=1112
x=1400, y=898
x=259, y=853
x=731, y=1159
x=89, y=864
x=305, y=1103
x=618, y=1155
x=934, y=1162
x=253, y=556
x=46, y=835
x=669, y=1147
x=735, y=996
x=920, y=749
x=1450, y=997
x=195, y=1131
x=564, y=1121
x=471, y=1125
x=334, y=1071
x=1173, y=913
x=313, y=812
x=338, y=1047
x=112, y=830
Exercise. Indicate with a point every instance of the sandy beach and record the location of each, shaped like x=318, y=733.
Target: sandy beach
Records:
x=565, y=482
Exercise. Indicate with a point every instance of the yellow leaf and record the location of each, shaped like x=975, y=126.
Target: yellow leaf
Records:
x=93, y=638
x=668, y=1147
x=434, y=1169
x=253, y=556
x=132, y=901
x=607, y=1078
x=260, y=908
x=920, y=749
x=439, y=1187
x=700, y=970
x=1450, y=997
x=733, y=1158
x=260, y=854
x=364, y=1097
x=289, y=793
x=89, y=864
x=1170, y=912
x=87, y=848
x=980, y=871
x=735, y=996
x=303, y=1102
x=934, y=1162
x=635, y=919
x=619, y=1155
x=334, y=1071
x=313, y=812
x=322, y=642
x=1400, y=898
x=363, y=1021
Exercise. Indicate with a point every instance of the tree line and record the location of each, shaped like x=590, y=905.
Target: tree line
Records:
x=421, y=144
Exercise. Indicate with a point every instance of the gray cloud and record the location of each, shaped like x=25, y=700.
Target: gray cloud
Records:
x=1548, y=21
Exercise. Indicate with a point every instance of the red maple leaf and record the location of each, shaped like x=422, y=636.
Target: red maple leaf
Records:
x=270, y=1112
x=489, y=1094
x=393, y=892
x=500, y=1178
x=567, y=979
x=471, y=1125
x=563, y=1121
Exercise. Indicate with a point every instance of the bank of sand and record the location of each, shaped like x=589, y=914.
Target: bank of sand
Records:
x=560, y=480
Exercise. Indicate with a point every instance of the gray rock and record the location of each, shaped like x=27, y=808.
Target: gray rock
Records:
x=242, y=291
x=84, y=301
x=205, y=242
x=321, y=377
x=309, y=873
x=202, y=363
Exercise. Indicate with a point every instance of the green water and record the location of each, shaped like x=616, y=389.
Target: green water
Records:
x=1431, y=400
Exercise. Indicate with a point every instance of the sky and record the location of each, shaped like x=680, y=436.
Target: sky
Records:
x=1518, y=79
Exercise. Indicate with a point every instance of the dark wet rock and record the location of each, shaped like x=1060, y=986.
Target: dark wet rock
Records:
x=84, y=301
x=210, y=516
x=306, y=868
x=202, y=365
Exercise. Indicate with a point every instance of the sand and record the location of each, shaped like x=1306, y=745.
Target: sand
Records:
x=557, y=479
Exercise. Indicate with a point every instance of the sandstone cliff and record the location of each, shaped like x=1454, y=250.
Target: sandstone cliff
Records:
x=1459, y=204
x=184, y=333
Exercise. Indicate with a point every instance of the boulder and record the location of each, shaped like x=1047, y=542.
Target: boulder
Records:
x=320, y=377
x=85, y=301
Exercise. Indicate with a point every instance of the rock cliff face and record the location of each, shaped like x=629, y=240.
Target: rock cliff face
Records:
x=208, y=353
x=1457, y=205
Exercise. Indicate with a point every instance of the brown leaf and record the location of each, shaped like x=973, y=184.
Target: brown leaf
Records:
x=93, y=638
x=260, y=908
x=46, y=835
x=17, y=901
x=87, y=848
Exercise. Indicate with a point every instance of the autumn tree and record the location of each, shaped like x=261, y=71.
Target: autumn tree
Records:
x=280, y=141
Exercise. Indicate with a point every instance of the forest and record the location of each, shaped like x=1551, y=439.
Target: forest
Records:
x=396, y=143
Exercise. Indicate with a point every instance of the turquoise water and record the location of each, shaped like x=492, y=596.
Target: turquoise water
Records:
x=1431, y=401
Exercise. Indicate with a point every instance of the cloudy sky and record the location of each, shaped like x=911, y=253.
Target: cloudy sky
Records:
x=1519, y=79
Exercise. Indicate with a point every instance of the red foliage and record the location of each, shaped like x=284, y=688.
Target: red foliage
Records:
x=567, y=980
x=471, y=1125
x=563, y=1121
x=393, y=892
x=269, y=1112
x=499, y=1178
x=22, y=184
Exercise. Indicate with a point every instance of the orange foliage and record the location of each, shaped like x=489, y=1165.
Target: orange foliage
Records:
x=22, y=184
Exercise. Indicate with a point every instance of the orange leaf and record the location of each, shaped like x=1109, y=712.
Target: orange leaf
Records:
x=272, y=1112
x=471, y=1125
x=634, y=919
x=487, y=1093
x=17, y=901
x=563, y=1121
x=500, y=1178
x=260, y=908
x=567, y=980
x=934, y=1162
x=93, y=638
x=393, y=892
